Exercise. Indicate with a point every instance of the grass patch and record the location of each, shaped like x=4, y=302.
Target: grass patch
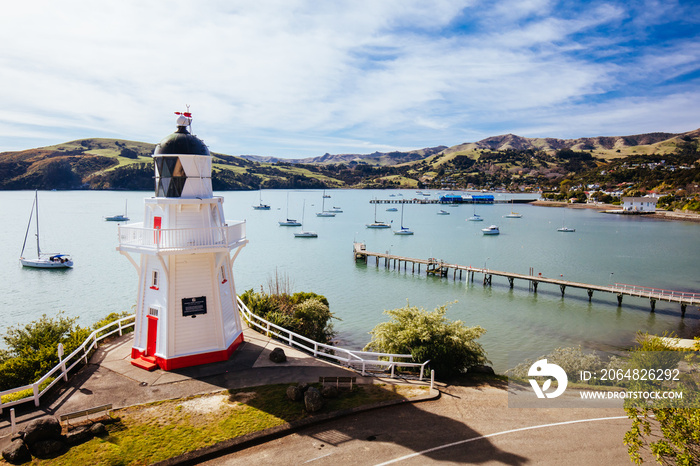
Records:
x=157, y=431
x=26, y=393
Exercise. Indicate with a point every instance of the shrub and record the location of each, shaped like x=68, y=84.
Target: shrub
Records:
x=304, y=313
x=449, y=345
x=33, y=349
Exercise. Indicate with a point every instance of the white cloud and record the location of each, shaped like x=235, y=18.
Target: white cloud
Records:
x=286, y=77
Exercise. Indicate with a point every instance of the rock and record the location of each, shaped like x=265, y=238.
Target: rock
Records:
x=17, y=436
x=46, y=428
x=481, y=369
x=329, y=391
x=17, y=452
x=78, y=436
x=277, y=355
x=294, y=393
x=98, y=429
x=47, y=448
x=303, y=386
x=313, y=401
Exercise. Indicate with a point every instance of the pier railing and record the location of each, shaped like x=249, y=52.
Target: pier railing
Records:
x=137, y=238
x=65, y=365
x=657, y=293
x=361, y=361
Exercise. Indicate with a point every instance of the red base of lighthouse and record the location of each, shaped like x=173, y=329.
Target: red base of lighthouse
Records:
x=187, y=361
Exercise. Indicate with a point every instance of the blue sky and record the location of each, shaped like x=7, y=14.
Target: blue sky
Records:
x=292, y=78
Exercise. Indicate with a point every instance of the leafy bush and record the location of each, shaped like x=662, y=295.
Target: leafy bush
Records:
x=33, y=349
x=449, y=345
x=679, y=427
x=304, y=313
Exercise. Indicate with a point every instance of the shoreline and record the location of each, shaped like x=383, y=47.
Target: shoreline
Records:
x=658, y=215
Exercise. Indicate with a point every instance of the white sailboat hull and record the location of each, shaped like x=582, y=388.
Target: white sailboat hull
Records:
x=46, y=263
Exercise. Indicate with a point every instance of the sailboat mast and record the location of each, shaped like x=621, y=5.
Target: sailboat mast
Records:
x=36, y=203
x=29, y=224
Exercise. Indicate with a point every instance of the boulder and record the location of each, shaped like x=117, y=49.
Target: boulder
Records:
x=47, y=448
x=98, y=429
x=78, y=435
x=329, y=391
x=313, y=401
x=481, y=369
x=46, y=428
x=303, y=386
x=277, y=355
x=294, y=393
x=17, y=452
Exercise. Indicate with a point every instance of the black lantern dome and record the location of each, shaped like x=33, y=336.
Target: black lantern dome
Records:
x=181, y=141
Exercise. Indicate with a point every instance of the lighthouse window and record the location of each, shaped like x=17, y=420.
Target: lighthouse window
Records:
x=154, y=280
x=152, y=311
x=223, y=274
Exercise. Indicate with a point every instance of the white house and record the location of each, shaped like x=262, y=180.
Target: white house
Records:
x=639, y=204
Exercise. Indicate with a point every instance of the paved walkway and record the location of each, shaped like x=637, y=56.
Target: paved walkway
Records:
x=110, y=378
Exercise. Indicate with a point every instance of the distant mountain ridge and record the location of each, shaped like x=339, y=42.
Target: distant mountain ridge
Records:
x=493, y=143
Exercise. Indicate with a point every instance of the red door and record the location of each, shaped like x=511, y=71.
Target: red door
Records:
x=156, y=226
x=152, y=335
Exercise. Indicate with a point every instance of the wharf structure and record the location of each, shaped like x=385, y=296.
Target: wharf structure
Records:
x=440, y=268
x=454, y=199
x=186, y=309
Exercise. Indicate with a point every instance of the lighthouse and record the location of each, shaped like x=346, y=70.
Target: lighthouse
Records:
x=186, y=308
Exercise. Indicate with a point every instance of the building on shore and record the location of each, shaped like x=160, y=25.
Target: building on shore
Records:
x=639, y=204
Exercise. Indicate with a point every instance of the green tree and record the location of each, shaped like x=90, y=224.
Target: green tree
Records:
x=450, y=346
x=33, y=349
x=679, y=442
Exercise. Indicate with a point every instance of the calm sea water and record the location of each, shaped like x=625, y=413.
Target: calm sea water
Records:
x=604, y=249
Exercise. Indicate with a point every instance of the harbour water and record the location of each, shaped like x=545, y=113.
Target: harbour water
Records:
x=604, y=249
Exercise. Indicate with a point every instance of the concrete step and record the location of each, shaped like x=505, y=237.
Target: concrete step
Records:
x=145, y=362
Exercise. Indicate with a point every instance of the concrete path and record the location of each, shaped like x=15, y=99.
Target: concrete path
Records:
x=110, y=378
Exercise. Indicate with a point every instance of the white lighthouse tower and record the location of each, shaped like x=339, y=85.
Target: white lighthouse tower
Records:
x=186, y=312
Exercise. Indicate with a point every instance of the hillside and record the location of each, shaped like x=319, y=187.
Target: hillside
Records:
x=500, y=162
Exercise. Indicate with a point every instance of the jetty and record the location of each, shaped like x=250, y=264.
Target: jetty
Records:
x=440, y=268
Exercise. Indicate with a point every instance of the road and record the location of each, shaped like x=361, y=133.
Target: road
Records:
x=468, y=424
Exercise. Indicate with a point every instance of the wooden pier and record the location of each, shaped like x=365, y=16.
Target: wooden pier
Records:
x=441, y=268
x=461, y=201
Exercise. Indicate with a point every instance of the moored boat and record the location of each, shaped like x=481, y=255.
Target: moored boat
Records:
x=492, y=230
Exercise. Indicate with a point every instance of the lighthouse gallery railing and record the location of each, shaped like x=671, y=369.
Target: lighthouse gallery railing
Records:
x=156, y=239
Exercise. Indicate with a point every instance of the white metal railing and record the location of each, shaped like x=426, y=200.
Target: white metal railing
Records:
x=357, y=360
x=657, y=293
x=62, y=369
x=155, y=239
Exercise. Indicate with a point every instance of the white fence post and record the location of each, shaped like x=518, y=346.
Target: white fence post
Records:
x=63, y=364
x=35, y=389
x=432, y=378
x=12, y=421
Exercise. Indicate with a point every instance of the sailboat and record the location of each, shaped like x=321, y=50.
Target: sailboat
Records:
x=119, y=217
x=302, y=233
x=377, y=224
x=512, y=214
x=324, y=212
x=43, y=260
x=403, y=230
x=476, y=217
x=261, y=206
x=289, y=222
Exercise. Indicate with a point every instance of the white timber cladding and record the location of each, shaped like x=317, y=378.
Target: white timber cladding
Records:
x=229, y=308
x=192, y=278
